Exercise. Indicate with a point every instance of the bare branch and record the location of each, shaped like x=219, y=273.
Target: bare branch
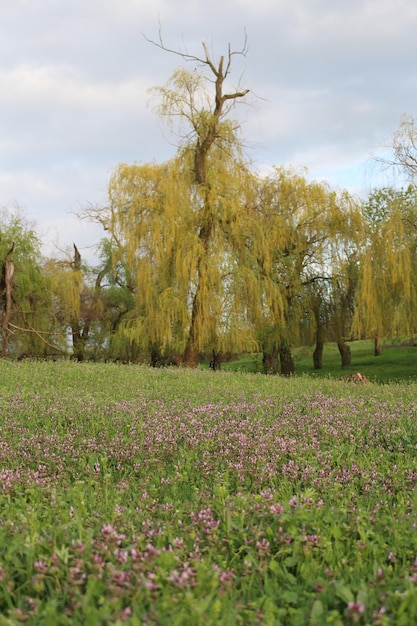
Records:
x=207, y=60
x=403, y=148
x=238, y=94
x=39, y=333
x=160, y=44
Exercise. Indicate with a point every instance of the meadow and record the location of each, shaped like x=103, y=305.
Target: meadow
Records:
x=174, y=497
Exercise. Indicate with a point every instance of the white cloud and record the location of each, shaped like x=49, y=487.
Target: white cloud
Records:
x=46, y=91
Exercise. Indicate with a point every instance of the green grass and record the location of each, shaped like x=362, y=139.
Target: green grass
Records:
x=396, y=363
x=195, y=498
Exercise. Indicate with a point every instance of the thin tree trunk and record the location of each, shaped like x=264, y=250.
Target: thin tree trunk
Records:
x=320, y=317
x=78, y=338
x=318, y=354
x=345, y=353
x=216, y=363
x=377, y=346
x=78, y=342
x=6, y=289
x=191, y=352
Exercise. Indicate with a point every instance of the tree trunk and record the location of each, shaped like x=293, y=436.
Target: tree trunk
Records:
x=270, y=361
x=377, y=344
x=286, y=360
x=78, y=342
x=155, y=357
x=191, y=356
x=318, y=354
x=192, y=349
x=216, y=363
x=191, y=352
x=345, y=353
x=78, y=338
x=6, y=288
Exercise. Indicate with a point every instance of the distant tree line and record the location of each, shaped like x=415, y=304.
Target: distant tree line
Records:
x=202, y=256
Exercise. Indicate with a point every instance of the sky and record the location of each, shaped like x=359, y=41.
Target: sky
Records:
x=328, y=79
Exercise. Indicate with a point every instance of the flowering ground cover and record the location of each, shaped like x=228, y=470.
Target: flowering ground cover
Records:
x=147, y=497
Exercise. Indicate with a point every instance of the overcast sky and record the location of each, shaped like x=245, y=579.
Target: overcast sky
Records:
x=329, y=80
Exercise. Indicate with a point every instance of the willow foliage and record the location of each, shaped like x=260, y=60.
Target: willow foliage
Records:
x=309, y=227
x=27, y=327
x=387, y=296
x=157, y=216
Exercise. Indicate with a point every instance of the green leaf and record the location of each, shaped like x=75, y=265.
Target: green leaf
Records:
x=290, y=597
x=316, y=614
x=362, y=596
x=344, y=593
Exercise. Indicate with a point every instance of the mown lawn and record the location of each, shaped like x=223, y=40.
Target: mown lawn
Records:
x=396, y=362
x=137, y=496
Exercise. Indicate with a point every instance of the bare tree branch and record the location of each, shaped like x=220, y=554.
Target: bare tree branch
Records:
x=403, y=149
x=39, y=334
x=205, y=61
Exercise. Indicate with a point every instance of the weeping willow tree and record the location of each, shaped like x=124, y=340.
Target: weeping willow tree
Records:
x=188, y=228
x=114, y=287
x=25, y=294
x=185, y=290
x=387, y=296
x=212, y=151
x=77, y=301
x=305, y=222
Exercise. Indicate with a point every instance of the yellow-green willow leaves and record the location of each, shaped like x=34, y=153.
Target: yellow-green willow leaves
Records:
x=184, y=284
x=308, y=227
x=387, y=296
